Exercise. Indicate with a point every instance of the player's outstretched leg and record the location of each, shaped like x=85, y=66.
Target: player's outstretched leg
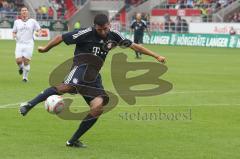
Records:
x=61, y=89
x=26, y=107
x=96, y=110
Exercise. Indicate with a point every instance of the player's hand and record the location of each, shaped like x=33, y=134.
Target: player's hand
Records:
x=15, y=37
x=161, y=59
x=42, y=49
x=37, y=34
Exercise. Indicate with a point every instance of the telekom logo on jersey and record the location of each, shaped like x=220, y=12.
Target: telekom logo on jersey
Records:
x=96, y=50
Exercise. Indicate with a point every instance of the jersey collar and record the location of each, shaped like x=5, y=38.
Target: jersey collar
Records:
x=25, y=20
x=95, y=32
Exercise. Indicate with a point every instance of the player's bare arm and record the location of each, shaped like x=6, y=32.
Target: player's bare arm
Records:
x=52, y=43
x=140, y=48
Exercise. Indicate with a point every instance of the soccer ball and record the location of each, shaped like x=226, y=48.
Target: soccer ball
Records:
x=54, y=104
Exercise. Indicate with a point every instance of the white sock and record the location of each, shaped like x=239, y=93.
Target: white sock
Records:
x=20, y=66
x=26, y=69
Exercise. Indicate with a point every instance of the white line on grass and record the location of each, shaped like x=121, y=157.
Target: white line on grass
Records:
x=15, y=105
x=9, y=105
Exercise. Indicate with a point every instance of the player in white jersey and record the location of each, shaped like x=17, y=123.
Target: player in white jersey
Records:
x=23, y=31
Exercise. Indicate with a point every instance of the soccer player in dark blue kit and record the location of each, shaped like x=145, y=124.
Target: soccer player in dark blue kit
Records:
x=89, y=40
x=138, y=26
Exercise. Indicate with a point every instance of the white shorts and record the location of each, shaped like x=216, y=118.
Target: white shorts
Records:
x=24, y=50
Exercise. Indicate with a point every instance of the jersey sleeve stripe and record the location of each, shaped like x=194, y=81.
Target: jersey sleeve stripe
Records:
x=118, y=33
x=133, y=22
x=82, y=32
x=145, y=23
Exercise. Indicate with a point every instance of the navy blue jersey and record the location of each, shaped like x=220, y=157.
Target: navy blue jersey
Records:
x=138, y=27
x=88, y=41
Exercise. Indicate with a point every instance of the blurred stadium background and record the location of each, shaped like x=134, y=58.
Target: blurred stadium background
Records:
x=162, y=16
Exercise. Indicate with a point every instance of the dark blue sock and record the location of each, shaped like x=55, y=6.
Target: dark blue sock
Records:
x=43, y=96
x=85, y=125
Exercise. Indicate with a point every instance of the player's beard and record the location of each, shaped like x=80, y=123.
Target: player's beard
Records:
x=25, y=18
x=104, y=36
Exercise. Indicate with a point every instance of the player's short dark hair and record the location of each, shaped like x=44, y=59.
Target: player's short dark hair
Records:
x=23, y=7
x=101, y=19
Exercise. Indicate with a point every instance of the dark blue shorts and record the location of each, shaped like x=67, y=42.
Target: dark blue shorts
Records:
x=138, y=39
x=86, y=83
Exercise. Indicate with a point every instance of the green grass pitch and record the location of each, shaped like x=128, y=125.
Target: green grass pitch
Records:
x=206, y=89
